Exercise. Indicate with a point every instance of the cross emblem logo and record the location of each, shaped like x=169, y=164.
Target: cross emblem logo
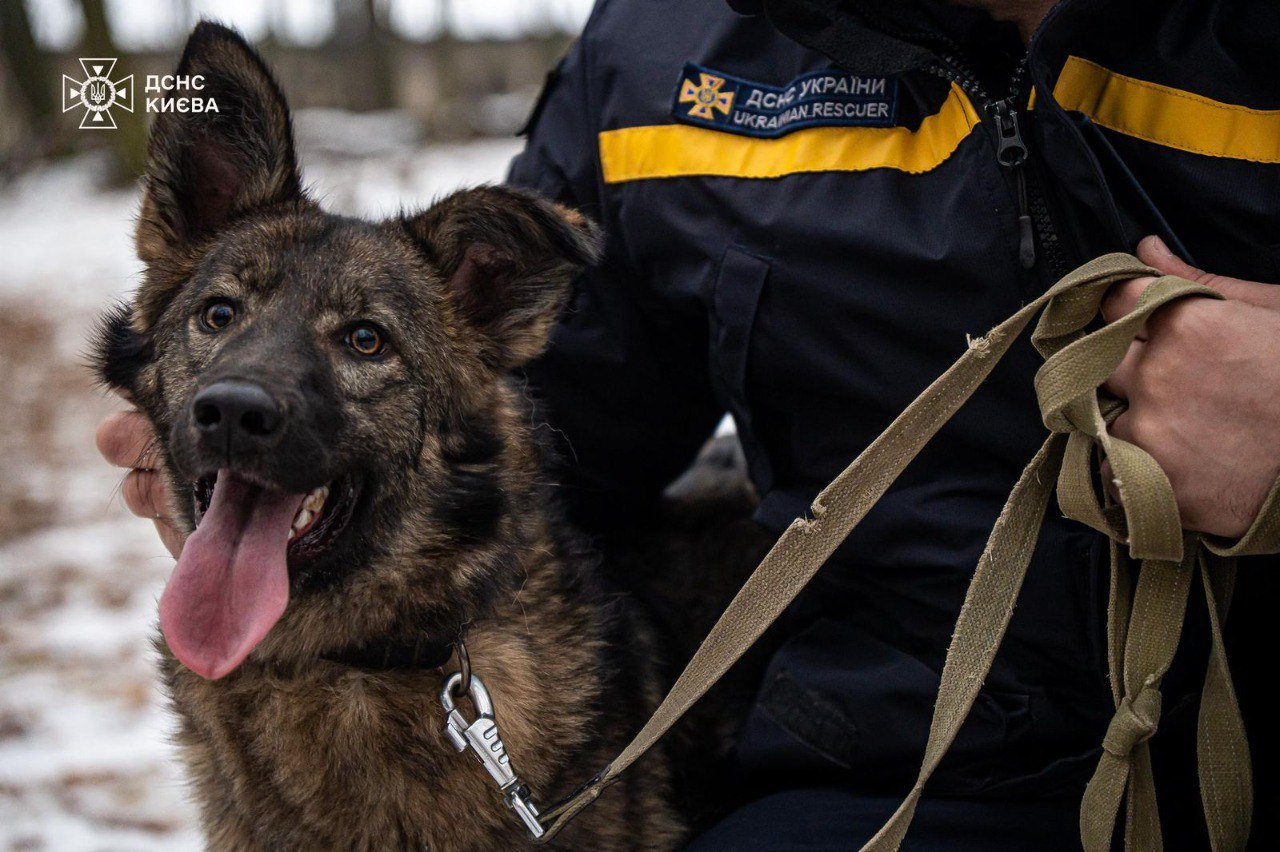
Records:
x=706, y=96
x=97, y=94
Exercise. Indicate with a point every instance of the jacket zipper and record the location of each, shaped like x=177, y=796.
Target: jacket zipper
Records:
x=1034, y=219
x=1011, y=149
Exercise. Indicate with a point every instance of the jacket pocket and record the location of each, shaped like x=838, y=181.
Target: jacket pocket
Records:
x=837, y=698
x=735, y=300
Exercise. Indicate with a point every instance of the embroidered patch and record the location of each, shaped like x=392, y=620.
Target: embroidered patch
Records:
x=724, y=102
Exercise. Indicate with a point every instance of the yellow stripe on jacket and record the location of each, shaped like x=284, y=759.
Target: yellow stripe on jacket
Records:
x=1167, y=116
x=681, y=150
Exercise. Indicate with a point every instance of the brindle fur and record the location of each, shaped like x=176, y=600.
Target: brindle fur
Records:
x=456, y=529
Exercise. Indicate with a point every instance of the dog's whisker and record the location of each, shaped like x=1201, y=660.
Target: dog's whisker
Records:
x=147, y=458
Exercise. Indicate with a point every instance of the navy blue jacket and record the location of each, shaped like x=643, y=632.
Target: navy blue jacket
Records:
x=807, y=211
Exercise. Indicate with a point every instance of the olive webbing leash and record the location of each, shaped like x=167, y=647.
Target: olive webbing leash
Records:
x=1143, y=628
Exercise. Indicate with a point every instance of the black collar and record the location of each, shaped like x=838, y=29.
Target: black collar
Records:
x=884, y=37
x=405, y=654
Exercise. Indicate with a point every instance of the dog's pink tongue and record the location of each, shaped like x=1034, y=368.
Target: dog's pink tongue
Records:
x=231, y=584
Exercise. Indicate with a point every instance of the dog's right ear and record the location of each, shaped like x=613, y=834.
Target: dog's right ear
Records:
x=204, y=169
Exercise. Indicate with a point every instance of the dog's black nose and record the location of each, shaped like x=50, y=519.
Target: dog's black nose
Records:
x=236, y=412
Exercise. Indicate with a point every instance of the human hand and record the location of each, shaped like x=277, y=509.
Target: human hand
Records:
x=126, y=440
x=1202, y=382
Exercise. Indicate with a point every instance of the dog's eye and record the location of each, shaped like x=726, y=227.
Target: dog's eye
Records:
x=218, y=315
x=365, y=339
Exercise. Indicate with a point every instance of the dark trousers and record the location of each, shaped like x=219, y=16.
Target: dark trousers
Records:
x=821, y=819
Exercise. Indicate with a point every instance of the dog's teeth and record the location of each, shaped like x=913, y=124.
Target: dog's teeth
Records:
x=315, y=500
x=311, y=506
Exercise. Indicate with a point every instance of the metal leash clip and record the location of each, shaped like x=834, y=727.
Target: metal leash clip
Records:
x=481, y=736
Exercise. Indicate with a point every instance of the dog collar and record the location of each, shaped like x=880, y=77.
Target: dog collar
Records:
x=409, y=654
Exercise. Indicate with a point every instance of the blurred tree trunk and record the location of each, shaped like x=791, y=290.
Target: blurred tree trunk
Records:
x=359, y=34
x=34, y=86
x=381, y=47
x=447, y=48
x=26, y=62
x=129, y=139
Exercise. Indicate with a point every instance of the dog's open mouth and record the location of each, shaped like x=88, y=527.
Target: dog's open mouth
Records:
x=322, y=517
x=231, y=583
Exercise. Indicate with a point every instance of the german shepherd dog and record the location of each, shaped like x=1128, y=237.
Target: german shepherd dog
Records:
x=332, y=401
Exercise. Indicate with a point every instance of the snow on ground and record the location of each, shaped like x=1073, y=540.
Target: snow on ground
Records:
x=84, y=758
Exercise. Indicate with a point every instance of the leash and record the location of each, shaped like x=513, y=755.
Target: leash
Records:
x=1144, y=627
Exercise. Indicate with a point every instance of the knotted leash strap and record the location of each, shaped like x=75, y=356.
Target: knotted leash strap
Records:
x=1142, y=633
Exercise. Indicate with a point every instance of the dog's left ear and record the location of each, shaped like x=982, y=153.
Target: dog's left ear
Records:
x=206, y=168
x=118, y=352
x=509, y=259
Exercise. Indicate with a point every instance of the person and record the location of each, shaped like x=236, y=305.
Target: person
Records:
x=808, y=205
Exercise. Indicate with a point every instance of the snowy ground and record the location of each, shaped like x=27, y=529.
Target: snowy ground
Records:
x=84, y=762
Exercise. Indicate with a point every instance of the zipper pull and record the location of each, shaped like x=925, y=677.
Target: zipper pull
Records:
x=1011, y=151
x=1026, y=234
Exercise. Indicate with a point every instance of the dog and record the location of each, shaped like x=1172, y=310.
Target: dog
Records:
x=363, y=486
